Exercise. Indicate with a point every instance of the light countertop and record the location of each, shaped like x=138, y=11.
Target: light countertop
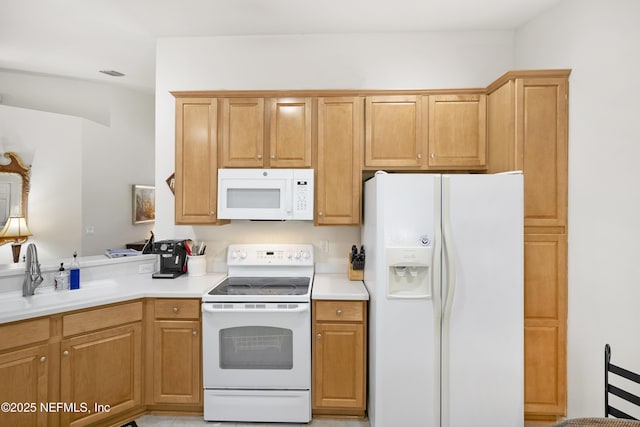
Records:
x=337, y=287
x=46, y=301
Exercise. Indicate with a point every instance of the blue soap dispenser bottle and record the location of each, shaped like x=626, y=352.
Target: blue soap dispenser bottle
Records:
x=74, y=269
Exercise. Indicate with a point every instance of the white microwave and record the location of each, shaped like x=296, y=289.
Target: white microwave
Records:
x=268, y=194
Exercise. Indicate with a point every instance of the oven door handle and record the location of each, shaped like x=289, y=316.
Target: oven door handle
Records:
x=301, y=308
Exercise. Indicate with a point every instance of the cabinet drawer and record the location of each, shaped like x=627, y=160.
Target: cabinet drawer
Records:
x=339, y=311
x=23, y=333
x=177, y=309
x=92, y=320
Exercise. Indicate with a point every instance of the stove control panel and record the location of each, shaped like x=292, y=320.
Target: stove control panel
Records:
x=270, y=254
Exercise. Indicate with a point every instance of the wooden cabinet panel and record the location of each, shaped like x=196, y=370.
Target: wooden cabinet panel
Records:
x=544, y=276
x=176, y=308
x=22, y=333
x=24, y=377
x=290, y=133
x=242, y=132
x=101, y=368
x=545, y=383
x=457, y=131
x=176, y=356
x=92, y=320
x=541, y=144
x=339, y=358
x=393, y=131
x=196, y=166
x=339, y=171
x=339, y=373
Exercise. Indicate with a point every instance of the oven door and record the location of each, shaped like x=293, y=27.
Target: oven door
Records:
x=256, y=345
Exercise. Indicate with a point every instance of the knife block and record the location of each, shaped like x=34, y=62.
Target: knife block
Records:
x=354, y=274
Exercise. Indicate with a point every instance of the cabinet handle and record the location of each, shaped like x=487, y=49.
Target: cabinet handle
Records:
x=320, y=214
x=318, y=336
x=259, y=156
x=339, y=312
x=65, y=353
x=419, y=156
x=194, y=333
x=175, y=309
x=43, y=359
x=433, y=155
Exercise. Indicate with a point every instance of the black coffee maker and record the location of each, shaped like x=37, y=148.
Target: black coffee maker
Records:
x=173, y=258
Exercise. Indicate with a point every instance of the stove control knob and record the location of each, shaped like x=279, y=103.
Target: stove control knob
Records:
x=289, y=255
x=234, y=255
x=243, y=255
x=306, y=255
x=298, y=255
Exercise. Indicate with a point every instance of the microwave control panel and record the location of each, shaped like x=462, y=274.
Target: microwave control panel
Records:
x=303, y=194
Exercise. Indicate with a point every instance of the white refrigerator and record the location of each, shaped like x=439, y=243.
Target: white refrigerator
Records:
x=444, y=270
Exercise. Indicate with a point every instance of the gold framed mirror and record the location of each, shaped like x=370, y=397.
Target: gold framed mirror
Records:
x=14, y=190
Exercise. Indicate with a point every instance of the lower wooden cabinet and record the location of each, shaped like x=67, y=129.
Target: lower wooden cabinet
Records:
x=177, y=373
x=101, y=373
x=339, y=358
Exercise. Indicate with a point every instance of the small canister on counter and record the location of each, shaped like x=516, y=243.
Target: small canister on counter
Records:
x=61, y=279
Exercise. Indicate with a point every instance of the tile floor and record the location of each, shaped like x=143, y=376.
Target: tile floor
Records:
x=197, y=421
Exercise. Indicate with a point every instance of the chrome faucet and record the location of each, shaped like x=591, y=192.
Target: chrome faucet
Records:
x=32, y=276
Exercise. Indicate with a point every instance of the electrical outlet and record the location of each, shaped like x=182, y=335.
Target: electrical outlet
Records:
x=146, y=268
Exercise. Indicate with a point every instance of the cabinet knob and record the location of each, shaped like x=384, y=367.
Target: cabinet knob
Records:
x=194, y=333
x=175, y=309
x=259, y=156
x=65, y=353
x=318, y=336
x=419, y=156
x=339, y=312
x=273, y=157
x=43, y=359
x=320, y=214
x=433, y=155
x=212, y=213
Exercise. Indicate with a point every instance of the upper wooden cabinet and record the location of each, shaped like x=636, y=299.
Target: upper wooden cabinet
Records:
x=242, y=132
x=290, y=133
x=275, y=135
x=394, y=131
x=426, y=132
x=196, y=168
x=457, y=131
x=339, y=170
x=528, y=119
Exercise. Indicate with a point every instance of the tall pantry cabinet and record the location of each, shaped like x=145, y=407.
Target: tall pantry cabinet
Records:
x=527, y=129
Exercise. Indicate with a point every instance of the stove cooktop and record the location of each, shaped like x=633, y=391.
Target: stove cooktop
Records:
x=262, y=286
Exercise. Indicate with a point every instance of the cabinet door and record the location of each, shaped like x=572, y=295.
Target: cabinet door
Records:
x=339, y=366
x=290, y=133
x=242, y=132
x=393, y=131
x=541, y=145
x=339, y=171
x=101, y=370
x=457, y=131
x=24, y=378
x=196, y=161
x=176, y=360
x=545, y=296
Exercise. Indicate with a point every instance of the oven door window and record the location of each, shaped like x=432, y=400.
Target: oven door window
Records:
x=256, y=347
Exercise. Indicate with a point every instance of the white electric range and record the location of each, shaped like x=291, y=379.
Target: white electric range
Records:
x=257, y=336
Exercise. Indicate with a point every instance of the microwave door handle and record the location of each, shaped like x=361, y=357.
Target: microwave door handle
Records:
x=208, y=308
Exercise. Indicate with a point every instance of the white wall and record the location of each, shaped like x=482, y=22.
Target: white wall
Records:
x=87, y=144
x=600, y=41
x=347, y=61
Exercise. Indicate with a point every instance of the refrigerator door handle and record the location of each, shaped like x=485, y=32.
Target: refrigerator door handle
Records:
x=449, y=294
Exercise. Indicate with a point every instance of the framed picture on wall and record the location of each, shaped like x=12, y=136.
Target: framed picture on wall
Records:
x=144, y=204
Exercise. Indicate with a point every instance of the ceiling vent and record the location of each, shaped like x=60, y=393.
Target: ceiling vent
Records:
x=113, y=73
